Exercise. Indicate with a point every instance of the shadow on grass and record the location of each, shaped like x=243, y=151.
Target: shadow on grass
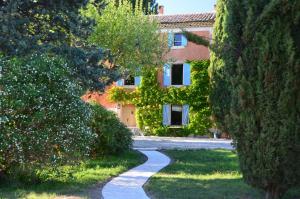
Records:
x=84, y=180
x=205, y=174
x=203, y=161
x=205, y=189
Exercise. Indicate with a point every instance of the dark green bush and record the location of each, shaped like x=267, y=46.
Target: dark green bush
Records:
x=42, y=118
x=113, y=136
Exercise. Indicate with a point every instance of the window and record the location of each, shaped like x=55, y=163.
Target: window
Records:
x=177, y=74
x=129, y=81
x=178, y=39
x=176, y=115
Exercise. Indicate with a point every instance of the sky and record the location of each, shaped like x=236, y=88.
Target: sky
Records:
x=186, y=6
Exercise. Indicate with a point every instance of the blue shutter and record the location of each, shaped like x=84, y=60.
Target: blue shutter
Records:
x=137, y=80
x=184, y=40
x=186, y=74
x=185, y=114
x=166, y=114
x=170, y=39
x=120, y=82
x=167, y=75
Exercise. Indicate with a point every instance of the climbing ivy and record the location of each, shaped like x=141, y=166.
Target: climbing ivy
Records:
x=150, y=96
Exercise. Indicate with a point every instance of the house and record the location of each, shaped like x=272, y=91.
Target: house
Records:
x=175, y=74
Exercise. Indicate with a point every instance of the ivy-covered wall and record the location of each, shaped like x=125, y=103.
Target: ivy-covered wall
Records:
x=149, y=98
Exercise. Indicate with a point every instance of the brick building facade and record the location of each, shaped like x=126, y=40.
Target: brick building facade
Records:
x=176, y=73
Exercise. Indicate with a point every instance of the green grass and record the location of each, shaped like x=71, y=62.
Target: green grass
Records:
x=205, y=174
x=74, y=180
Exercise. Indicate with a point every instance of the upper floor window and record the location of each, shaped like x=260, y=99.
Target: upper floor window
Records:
x=178, y=39
x=129, y=81
x=177, y=74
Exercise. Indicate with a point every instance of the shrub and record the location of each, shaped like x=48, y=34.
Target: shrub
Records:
x=113, y=136
x=43, y=120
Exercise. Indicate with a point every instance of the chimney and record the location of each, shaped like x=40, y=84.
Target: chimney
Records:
x=161, y=10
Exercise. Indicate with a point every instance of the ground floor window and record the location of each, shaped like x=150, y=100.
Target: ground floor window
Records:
x=176, y=115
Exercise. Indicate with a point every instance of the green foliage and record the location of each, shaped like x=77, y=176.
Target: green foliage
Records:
x=43, y=120
x=28, y=26
x=77, y=181
x=148, y=6
x=121, y=28
x=150, y=96
x=196, y=39
x=255, y=79
x=113, y=136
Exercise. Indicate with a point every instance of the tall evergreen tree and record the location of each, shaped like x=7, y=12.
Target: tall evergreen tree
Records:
x=255, y=79
x=148, y=6
x=256, y=94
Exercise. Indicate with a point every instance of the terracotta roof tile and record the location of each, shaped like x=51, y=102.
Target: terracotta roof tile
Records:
x=185, y=18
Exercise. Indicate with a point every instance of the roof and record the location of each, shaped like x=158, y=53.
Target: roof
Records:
x=185, y=18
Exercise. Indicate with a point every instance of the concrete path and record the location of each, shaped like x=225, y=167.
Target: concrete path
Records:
x=141, y=142
x=129, y=185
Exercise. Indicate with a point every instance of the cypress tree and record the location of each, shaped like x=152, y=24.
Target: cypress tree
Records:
x=255, y=71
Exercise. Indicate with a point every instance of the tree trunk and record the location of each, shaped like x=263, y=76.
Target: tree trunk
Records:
x=274, y=192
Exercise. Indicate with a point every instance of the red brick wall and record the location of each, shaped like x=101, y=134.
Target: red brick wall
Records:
x=191, y=51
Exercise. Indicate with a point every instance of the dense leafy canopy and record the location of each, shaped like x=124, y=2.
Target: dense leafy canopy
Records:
x=129, y=34
x=28, y=26
x=255, y=70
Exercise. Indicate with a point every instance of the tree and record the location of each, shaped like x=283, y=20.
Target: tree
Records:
x=255, y=78
x=131, y=36
x=149, y=6
x=28, y=26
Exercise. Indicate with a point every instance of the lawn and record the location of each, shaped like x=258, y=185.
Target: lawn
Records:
x=205, y=174
x=82, y=181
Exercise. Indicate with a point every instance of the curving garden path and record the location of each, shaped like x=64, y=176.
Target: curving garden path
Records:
x=129, y=185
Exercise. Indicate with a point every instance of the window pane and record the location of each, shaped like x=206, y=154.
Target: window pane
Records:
x=176, y=115
x=177, y=74
x=129, y=81
x=178, y=39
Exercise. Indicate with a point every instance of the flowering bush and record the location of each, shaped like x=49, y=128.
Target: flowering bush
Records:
x=43, y=120
x=113, y=136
